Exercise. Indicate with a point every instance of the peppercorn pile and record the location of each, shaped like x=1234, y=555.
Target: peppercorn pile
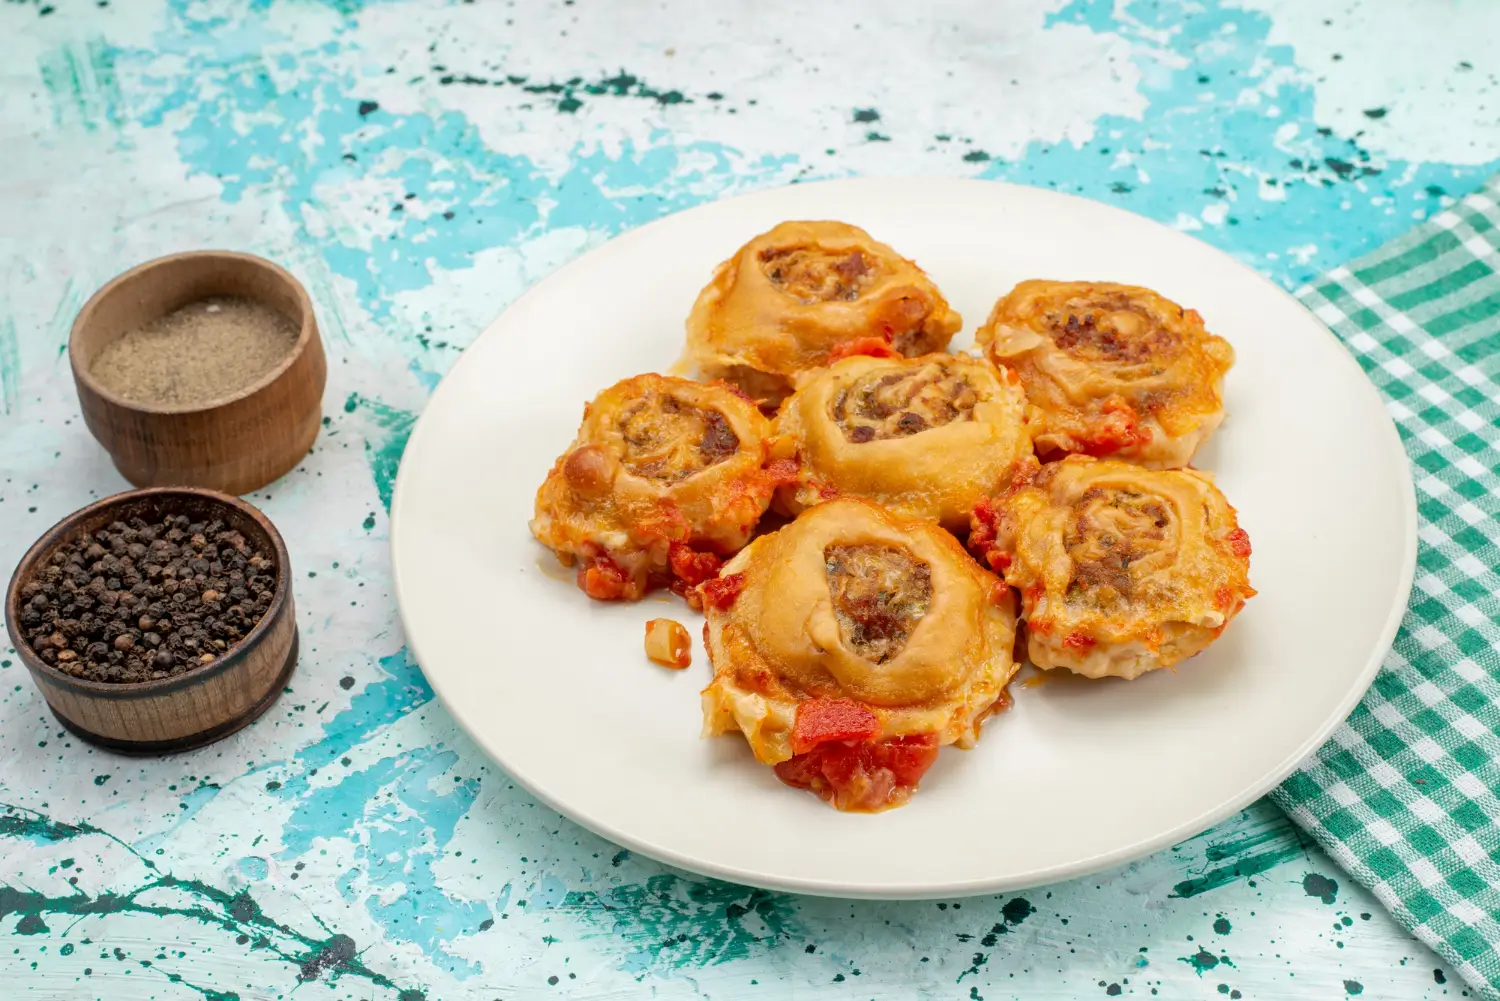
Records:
x=137, y=602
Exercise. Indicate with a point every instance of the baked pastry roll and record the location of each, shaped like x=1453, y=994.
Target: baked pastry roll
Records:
x=926, y=436
x=850, y=645
x=665, y=477
x=1122, y=570
x=1112, y=370
x=797, y=296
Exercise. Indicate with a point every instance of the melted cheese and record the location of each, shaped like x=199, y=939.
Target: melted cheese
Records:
x=924, y=436
x=1111, y=370
x=791, y=296
x=787, y=636
x=1122, y=570
x=658, y=460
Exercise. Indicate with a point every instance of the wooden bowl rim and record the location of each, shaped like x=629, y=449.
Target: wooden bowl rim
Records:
x=157, y=686
x=304, y=336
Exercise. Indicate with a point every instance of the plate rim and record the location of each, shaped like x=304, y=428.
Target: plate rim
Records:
x=959, y=888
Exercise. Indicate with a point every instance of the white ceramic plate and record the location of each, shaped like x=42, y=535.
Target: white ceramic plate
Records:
x=1077, y=776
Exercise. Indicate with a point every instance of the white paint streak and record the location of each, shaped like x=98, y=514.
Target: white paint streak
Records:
x=1403, y=56
x=1002, y=82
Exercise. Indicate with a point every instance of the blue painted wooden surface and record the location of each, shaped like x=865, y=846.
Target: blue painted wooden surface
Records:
x=418, y=164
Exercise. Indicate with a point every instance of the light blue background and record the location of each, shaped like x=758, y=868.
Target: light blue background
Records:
x=418, y=164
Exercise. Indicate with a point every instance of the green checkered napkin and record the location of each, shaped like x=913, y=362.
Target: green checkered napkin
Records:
x=1404, y=795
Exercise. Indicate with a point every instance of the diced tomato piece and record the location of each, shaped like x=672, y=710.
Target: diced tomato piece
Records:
x=691, y=566
x=1113, y=438
x=720, y=592
x=900, y=316
x=664, y=520
x=985, y=516
x=736, y=390
x=1079, y=641
x=871, y=775
x=875, y=347
x=1032, y=597
x=782, y=471
x=1121, y=430
x=1226, y=598
x=908, y=758
x=821, y=720
x=801, y=771
x=602, y=579
x=983, y=531
x=761, y=681
x=1238, y=541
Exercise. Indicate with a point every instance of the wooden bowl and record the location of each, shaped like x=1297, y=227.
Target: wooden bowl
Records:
x=235, y=444
x=194, y=708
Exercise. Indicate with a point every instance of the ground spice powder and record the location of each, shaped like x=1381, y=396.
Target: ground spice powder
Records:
x=202, y=352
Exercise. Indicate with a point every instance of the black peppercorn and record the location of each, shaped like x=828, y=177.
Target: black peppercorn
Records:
x=135, y=601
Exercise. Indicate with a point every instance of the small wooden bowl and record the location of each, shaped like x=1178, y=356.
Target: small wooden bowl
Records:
x=235, y=444
x=191, y=709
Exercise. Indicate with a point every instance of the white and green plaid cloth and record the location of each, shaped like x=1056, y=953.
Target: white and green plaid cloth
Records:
x=1406, y=794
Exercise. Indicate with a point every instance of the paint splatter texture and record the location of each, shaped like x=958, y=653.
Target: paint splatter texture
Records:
x=419, y=163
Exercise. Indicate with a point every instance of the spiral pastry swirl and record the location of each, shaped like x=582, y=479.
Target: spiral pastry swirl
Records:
x=926, y=436
x=665, y=478
x=1111, y=370
x=850, y=645
x=1122, y=570
x=804, y=293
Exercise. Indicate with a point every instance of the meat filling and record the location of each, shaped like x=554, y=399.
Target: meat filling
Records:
x=904, y=403
x=1109, y=328
x=879, y=594
x=811, y=275
x=1118, y=541
x=666, y=439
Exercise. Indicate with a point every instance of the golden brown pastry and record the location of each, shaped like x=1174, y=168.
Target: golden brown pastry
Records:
x=805, y=293
x=926, y=436
x=665, y=477
x=1111, y=370
x=1122, y=570
x=850, y=645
